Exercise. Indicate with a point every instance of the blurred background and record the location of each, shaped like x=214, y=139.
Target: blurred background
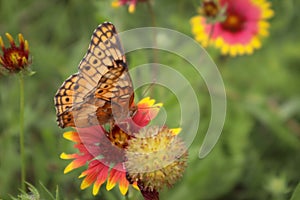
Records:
x=257, y=156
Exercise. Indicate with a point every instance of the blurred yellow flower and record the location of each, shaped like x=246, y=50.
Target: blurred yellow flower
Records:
x=131, y=4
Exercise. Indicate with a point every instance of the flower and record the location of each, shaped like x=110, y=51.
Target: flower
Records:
x=241, y=30
x=104, y=151
x=209, y=8
x=15, y=58
x=131, y=3
x=104, y=159
x=155, y=158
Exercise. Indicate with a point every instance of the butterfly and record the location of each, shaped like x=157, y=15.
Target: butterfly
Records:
x=101, y=91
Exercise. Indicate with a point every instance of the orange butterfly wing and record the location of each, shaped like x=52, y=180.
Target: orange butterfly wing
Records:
x=101, y=91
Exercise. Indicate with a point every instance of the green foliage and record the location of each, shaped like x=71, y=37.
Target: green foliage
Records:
x=257, y=156
x=34, y=194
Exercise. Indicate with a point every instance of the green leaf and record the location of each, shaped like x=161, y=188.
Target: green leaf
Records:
x=57, y=193
x=47, y=191
x=296, y=193
x=33, y=194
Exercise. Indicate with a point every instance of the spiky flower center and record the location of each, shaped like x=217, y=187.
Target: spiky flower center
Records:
x=155, y=158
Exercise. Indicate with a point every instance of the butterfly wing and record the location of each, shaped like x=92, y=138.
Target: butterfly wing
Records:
x=104, y=51
x=101, y=85
x=116, y=89
x=67, y=110
x=64, y=102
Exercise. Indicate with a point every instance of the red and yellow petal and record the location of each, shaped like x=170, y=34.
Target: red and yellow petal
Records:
x=88, y=180
x=147, y=110
x=101, y=178
x=2, y=44
x=98, y=183
x=10, y=39
x=118, y=176
x=135, y=186
x=78, y=162
x=114, y=176
x=147, y=102
x=72, y=136
x=96, y=172
x=123, y=185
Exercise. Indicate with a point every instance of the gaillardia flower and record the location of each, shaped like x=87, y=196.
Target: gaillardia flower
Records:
x=131, y=4
x=155, y=158
x=104, y=159
x=104, y=151
x=15, y=58
x=240, y=31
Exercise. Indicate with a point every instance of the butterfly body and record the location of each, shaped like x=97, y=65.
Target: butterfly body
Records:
x=101, y=92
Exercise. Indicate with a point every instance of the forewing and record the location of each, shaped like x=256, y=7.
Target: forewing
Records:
x=103, y=82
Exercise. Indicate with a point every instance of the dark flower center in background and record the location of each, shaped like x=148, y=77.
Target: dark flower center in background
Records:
x=210, y=8
x=233, y=22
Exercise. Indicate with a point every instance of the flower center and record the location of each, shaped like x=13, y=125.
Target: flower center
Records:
x=14, y=58
x=118, y=137
x=210, y=9
x=233, y=22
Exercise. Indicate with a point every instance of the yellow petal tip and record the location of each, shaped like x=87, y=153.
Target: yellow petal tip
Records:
x=9, y=37
x=131, y=8
x=176, y=131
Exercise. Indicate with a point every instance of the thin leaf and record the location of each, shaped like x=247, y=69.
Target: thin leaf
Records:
x=57, y=193
x=47, y=191
x=296, y=193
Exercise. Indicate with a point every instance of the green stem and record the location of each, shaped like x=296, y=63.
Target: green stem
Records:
x=152, y=14
x=126, y=197
x=22, y=153
x=211, y=32
x=154, y=69
x=153, y=24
